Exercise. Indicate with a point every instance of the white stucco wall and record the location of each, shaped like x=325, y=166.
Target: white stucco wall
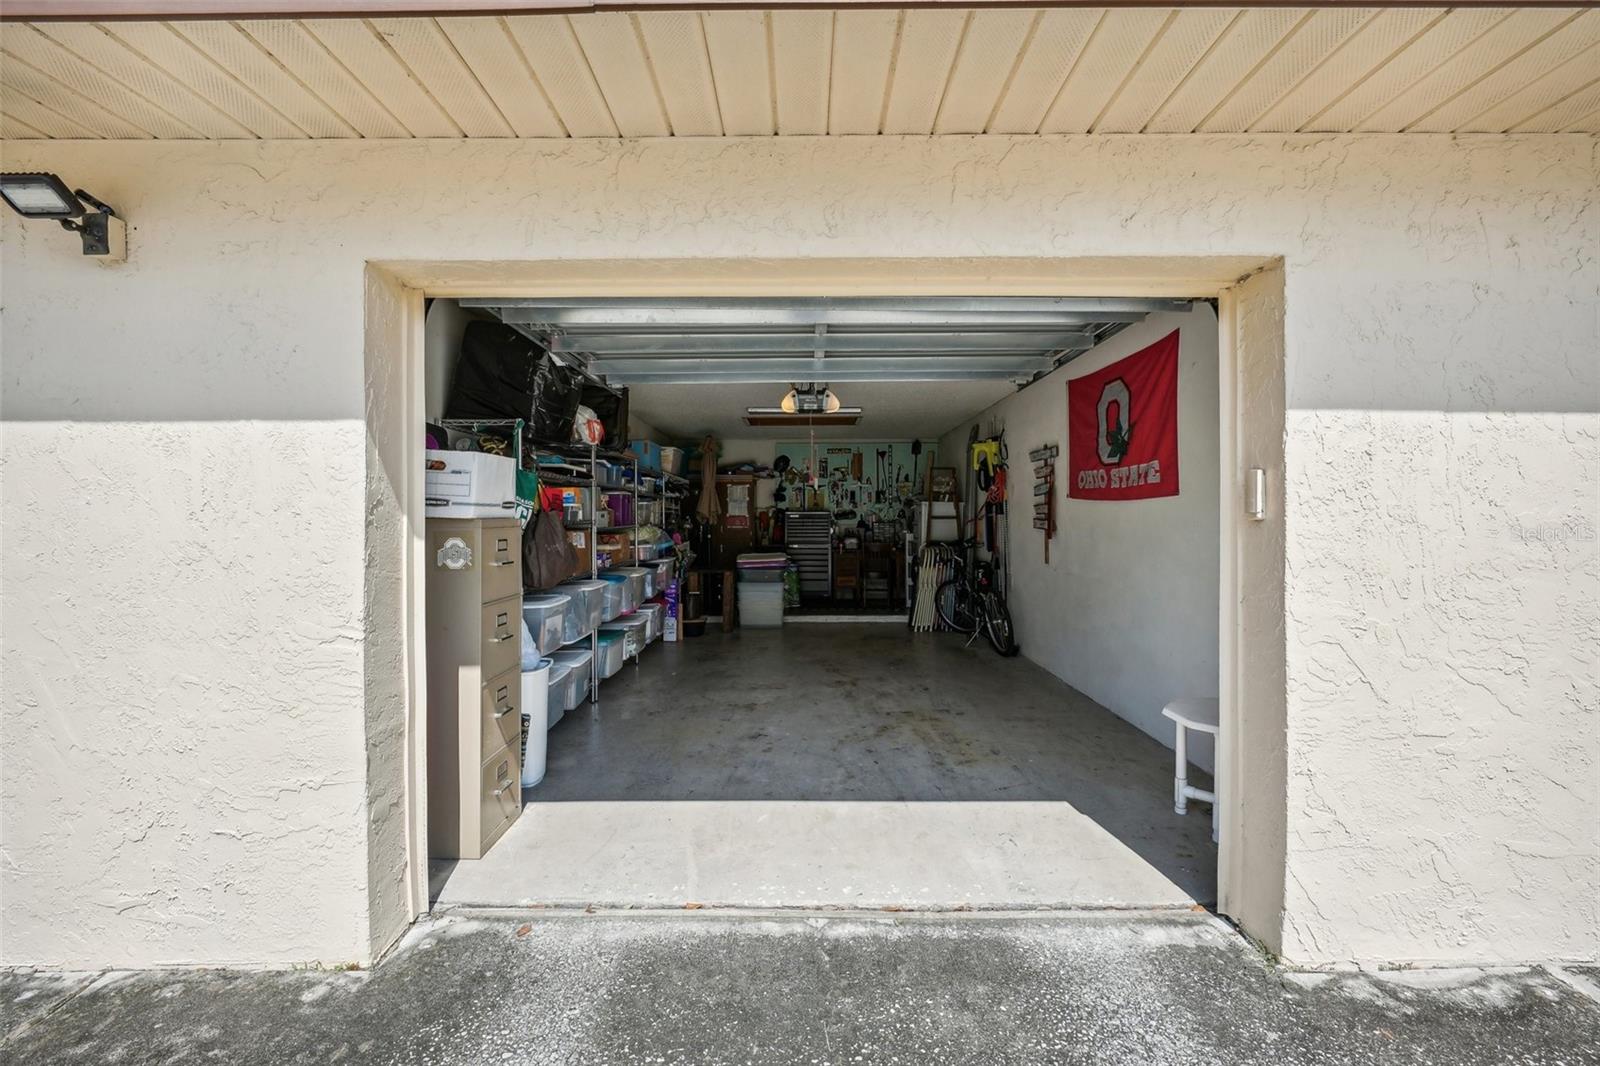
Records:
x=1125, y=611
x=183, y=601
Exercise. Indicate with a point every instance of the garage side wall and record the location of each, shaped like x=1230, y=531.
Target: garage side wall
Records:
x=182, y=590
x=1125, y=611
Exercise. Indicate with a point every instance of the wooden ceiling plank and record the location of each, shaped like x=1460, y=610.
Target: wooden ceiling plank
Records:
x=611, y=42
x=1496, y=45
x=1363, y=52
x=1191, y=34
x=802, y=70
x=433, y=61
x=1110, y=57
x=159, y=43
x=1525, y=83
x=863, y=53
x=372, y=63
x=116, y=59
x=1443, y=39
x=676, y=45
x=52, y=124
x=1311, y=43
x=28, y=44
x=244, y=59
x=552, y=50
x=1567, y=115
x=13, y=129
x=484, y=43
x=26, y=81
x=989, y=55
x=1247, y=41
x=737, y=43
x=304, y=56
x=929, y=40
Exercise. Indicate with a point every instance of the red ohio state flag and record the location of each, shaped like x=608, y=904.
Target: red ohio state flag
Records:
x=1122, y=427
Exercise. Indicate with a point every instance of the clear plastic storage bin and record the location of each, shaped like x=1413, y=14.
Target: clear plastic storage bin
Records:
x=655, y=616
x=577, y=659
x=545, y=614
x=665, y=569
x=619, y=596
x=585, y=613
x=640, y=577
x=561, y=677
x=635, y=627
x=612, y=645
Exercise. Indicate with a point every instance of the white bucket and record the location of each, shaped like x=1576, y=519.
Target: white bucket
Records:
x=535, y=722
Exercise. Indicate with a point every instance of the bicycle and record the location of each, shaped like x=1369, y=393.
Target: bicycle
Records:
x=970, y=602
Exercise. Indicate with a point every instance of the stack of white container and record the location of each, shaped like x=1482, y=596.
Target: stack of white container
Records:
x=761, y=589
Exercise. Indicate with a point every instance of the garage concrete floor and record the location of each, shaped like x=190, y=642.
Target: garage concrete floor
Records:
x=1167, y=989
x=852, y=765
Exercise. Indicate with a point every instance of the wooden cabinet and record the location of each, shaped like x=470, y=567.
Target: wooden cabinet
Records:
x=474, y=624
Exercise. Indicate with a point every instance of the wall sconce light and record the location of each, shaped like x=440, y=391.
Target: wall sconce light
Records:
x=104, y=235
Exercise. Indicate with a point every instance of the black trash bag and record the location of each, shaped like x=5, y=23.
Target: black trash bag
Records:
x=502, y=374
x=610, y=406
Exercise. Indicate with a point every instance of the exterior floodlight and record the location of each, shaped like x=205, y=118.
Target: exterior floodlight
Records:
x=39, y=196
x=807, y=399
x=47, y=196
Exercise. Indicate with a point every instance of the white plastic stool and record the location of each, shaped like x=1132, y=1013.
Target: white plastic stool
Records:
x=1199, y=715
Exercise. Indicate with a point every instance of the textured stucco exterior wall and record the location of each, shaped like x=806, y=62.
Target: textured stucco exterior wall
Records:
x=1125, y=611
x=182, y=592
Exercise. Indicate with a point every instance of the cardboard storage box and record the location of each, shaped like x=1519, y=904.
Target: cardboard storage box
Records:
x=469, y=484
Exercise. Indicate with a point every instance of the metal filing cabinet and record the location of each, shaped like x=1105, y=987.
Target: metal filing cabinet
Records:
x=808, y=538
x=474, y=623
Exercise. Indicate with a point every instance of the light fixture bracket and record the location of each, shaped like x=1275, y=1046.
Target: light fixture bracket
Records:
x=102, y=233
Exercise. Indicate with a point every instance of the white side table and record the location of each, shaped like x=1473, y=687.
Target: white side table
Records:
x=1200, y=715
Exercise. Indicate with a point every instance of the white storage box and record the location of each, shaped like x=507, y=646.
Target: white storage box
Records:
x=671, y=460
x=535, y=721
x=639, y=580
x=635, y=628
x=619, y=597
x=468, y=484
x=613, y=647
x=760, y=604
x=545, y=614
x=584, y=614
x=577, y=660
x=655, y=616
x=562, y=678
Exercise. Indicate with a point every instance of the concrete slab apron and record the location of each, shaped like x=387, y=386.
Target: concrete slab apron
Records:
x=847, y=765
x=1172, y=989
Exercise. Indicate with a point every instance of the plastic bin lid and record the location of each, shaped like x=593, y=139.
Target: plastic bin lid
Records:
x=627, y=621
x=614, y=576
x=629, y=570
x=544, y=664
x=545, y=599
x=559, y=671
x=587, y=584
x=610, y=636
x=572, y=656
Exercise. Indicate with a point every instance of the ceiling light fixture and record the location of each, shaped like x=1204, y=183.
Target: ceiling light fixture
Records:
x=806, y=399
x=104, y=235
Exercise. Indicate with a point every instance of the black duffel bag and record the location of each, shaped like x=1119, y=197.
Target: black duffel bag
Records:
x=502, y=374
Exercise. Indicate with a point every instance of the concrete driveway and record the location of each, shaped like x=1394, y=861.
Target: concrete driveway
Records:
x=1149, y=989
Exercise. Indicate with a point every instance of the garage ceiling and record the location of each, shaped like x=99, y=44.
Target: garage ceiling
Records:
x=805, y=72
x=912, y=363
x=743, y=340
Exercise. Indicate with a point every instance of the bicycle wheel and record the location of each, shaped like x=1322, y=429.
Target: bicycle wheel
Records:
x=997, y=623
x=953, y=604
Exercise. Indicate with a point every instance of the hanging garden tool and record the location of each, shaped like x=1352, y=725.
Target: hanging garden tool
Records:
x=1044, y=493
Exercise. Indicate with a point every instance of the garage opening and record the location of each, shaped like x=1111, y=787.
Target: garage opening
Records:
x=818, y=601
